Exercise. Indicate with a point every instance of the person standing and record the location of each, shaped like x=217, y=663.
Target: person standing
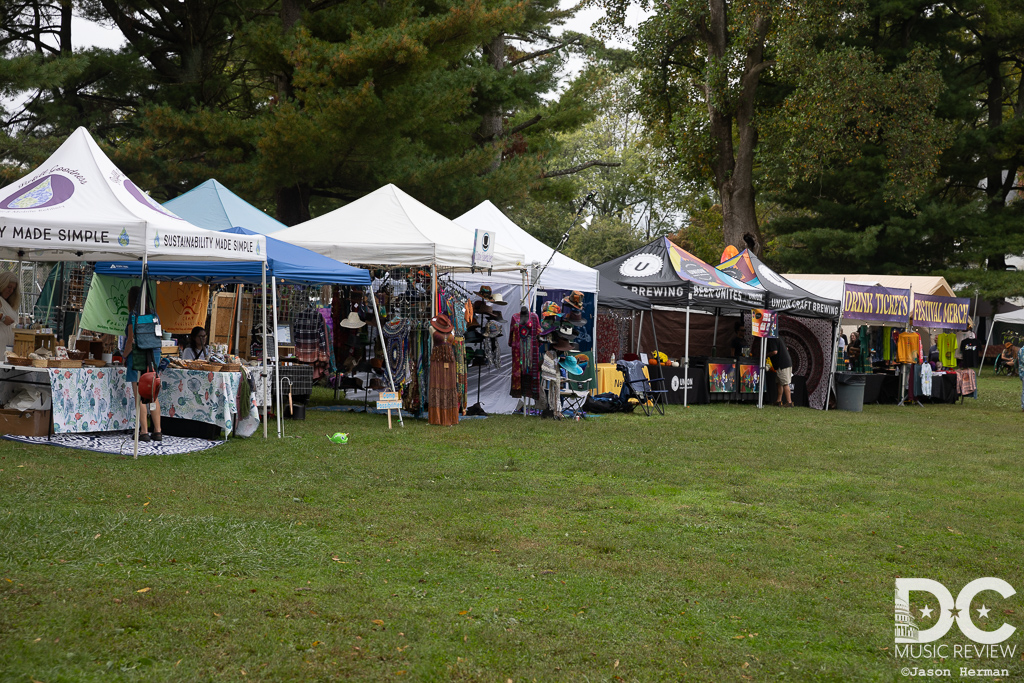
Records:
x=783, y=364
x=738, y=341
x=132, y=375
x=1020, y=373
x=10, y=302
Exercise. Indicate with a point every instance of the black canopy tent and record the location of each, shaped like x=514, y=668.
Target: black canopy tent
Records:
x=670, y=278
x=784, y=296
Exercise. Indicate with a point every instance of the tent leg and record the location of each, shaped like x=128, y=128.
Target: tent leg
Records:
x=988, y=340
x=264, y=347
x=654, y=333
x=277, y=359
x=714, y=337
x=138, y=397
x=384, y=346
x=686, y=360
x=761, y=373
x=640, y=332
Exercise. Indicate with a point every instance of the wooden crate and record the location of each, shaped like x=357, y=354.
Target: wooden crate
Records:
x=222, y=325
x=27, y=341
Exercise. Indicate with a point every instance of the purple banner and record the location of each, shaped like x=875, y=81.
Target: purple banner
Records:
x=945, y=312
x=881, y=304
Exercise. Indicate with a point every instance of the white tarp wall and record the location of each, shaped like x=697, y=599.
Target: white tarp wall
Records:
x=495, y=384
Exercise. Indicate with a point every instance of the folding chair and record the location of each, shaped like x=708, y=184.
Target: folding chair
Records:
x=573, y=394
x=635, y=384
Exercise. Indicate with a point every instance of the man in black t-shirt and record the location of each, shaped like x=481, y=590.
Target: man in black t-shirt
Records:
x=783, y=364
x=738, y=342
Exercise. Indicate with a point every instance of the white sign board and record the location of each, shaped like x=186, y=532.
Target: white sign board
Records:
x=483, y=248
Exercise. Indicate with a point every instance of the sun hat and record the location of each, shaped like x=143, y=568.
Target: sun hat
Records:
x=498, y=300
x=473, y=335
x=441, y=323
x=482, y=307
x=571, y=365
x=495, y=315
x=550, y=310
x=352, y=322
x=561, y=344
x=575, y=300
x=493, y=330
x=573, y=317
x=549, y=368
x=484, y=292
x=567, y=330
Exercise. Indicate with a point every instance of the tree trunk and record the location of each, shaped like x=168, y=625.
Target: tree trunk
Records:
x=491, y=124
x=994, y=179
x=65, y=27
x=734, y=165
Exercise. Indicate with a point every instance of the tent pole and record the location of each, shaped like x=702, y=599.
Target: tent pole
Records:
x=762, y=342
x=277, y=358
x=714, y=337
x=988, y=339
x=263, y=345
x=384, y=346
x=593, y=347
x=654, y=332
x=138, y=396
x=686, y=352
x=239, y=288
x=839, y=332
x=640, y=332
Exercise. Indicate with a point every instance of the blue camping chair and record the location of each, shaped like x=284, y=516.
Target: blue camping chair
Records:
x=635, y=384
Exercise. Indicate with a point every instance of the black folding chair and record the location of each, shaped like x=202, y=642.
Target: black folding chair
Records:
x=635, y=384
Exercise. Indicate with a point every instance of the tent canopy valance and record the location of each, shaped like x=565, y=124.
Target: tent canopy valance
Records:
x=78, y=206
x=285, y=261
x=563, y=273
x=668, y=275
x=782, y=294
x=389, y=228
x=616, y=296
x=215, y=207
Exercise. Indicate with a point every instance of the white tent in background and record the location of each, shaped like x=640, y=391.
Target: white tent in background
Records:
x=78, y=206
x=389, y=228
x=563, y=273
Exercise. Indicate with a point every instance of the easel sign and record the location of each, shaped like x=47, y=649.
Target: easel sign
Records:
x=388, y=400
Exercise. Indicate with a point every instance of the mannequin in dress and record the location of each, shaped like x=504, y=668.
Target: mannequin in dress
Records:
x=443, y=404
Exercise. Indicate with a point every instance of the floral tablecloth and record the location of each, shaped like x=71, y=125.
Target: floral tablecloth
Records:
x=100, y=399
x=91, y=400
x=206, y=396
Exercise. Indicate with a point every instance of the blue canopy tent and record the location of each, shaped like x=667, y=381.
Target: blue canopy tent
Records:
x=215, y=207
x=285, y=262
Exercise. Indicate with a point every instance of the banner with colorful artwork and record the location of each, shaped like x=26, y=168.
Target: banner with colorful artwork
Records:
x=764, y=323
x=876, y=304
x=749, y=377
x=721, y=378
x=941, y=311
x=182, y=306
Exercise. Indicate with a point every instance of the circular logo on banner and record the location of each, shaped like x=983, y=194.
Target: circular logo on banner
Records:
x=772, y=277
x=696, y=272
x=50, y=191
x=675, y=382
x=143, y=198
x=641, y=265
x=485, y=242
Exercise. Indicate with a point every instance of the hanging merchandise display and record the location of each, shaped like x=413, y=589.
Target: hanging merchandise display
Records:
x=909, y=347
x=947, y=346
x=524, y=342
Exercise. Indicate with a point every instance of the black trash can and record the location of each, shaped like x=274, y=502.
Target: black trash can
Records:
x=850, y=391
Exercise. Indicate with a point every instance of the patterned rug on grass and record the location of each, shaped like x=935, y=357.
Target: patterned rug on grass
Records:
x=119, y=443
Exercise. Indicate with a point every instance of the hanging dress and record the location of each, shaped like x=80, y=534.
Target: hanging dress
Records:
x=523, y=339
x=443, y=406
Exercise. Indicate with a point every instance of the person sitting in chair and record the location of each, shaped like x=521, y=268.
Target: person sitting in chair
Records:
x=197, y=348
x=1008, y=358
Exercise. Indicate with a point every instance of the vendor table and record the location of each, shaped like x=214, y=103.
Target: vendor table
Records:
x=675, y=383
x=100, y=399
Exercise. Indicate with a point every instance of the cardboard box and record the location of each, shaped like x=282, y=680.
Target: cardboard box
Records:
x=25, y=422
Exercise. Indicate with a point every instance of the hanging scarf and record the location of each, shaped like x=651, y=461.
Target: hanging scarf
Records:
x=396, y=338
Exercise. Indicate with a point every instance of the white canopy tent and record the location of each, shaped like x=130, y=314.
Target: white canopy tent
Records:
x=563, y=273
x=389, y=228
x=78, y=206
x=1010, y=318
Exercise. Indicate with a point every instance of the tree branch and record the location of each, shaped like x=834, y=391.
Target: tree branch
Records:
x=541, y=53
x=581, y=167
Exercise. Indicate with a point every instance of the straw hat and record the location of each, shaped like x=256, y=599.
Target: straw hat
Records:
x=352, y=322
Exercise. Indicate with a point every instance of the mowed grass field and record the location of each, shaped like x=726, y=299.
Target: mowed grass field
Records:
x=716, y=543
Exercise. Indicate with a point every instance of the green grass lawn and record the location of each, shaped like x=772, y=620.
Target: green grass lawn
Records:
x=716, y=543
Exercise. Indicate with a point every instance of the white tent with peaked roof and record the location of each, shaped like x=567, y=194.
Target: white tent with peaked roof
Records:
x=390, y=228
x=563, y=273
x=78, y=206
